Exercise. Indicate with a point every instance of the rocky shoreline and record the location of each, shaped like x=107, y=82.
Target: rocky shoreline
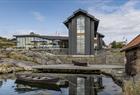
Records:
x=14, y=61
x=23, y=60
x=9, y=68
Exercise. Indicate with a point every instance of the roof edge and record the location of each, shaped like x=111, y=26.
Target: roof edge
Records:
x=80, y=10
x=128, y=48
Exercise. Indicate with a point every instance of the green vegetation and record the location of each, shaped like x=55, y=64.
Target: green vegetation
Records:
x=19, y=56
x=115, y=44
x=131, y=88
x=6, y=43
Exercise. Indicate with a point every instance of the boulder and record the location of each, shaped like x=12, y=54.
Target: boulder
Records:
x=25, y=64
x=43, y=61
x=6, y=68
x=58, y=61
x=51, y=62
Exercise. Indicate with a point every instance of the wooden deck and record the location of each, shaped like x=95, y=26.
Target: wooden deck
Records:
x=67, y=68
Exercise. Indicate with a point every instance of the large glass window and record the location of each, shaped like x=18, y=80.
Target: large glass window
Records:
x=80, y=35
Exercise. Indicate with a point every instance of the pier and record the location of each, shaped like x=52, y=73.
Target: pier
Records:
x=114, y=70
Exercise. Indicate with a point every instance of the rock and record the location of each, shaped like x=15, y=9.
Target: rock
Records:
x=16, y=69
x=51, y=62
x=58, y=61
x=50, y=54
x=25, y=64
x=43, y=61
x=37, y=60
x=3, y=55
x=6, y=68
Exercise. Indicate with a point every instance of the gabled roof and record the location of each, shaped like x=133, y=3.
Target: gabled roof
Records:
x=81, y=11
x=132, y=44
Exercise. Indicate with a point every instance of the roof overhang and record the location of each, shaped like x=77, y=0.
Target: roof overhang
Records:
x=45, y=37
x=80, y=11
x=101, y=35
x=130, y=48
x=132, y=44
x=56, y=37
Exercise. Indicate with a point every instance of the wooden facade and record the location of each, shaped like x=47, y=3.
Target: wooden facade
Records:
x=89, y=33
x=83, y=37
x=132, y=53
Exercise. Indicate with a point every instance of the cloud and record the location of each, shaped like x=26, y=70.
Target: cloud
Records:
x=117, y=22
x=9, y=32
x=23, y=31
x=38, y=16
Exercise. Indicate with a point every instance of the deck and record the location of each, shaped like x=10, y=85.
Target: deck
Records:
x=90, y=69
x=68, y=66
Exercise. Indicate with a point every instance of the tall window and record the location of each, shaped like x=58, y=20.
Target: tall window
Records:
x=81, y=35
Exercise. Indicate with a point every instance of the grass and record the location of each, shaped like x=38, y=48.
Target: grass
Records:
x=131, y=88
x=6, y=43
x=19, y=56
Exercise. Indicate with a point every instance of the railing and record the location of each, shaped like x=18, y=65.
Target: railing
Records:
x=57, y=51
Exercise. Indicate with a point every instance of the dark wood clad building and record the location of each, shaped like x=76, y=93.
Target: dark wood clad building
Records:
x=132, y=53
x=83, y=35
x=40, y=41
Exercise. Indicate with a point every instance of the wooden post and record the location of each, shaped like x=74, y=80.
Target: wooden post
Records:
x=100, y=82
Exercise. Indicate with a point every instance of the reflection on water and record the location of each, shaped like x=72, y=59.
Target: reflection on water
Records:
x=78, y=85
x=85, y=85
x=10, y=88
x=1, y=83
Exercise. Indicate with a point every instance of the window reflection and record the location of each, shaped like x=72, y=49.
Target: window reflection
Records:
x=80, y=35
x=80, y=86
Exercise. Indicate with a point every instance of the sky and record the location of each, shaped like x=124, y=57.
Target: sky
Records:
x=119, y=19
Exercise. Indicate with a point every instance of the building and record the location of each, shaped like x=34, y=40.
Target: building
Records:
x=83, y=35
x=40, y=41
x=132, y=53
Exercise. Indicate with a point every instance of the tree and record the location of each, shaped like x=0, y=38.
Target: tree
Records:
x=115, y=44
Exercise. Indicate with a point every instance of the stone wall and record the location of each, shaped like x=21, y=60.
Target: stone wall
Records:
x=57, y=51
x=105, y=57
x=43, y=57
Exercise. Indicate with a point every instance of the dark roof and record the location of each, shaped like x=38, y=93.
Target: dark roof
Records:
x=81, y=11
x=26, y=35
x=132, y=44
x=45, y=37
x=56, y=37
x=101, y=35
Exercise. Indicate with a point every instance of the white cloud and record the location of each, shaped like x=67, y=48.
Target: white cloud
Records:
x=23, y=31
x=8, y=33
x=38, y=16
x=123, y=21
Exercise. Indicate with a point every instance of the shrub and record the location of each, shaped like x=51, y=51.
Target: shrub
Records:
x=19, y=56
x=131, y=88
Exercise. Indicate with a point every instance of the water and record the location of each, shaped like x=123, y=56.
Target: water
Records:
x=78, y=85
